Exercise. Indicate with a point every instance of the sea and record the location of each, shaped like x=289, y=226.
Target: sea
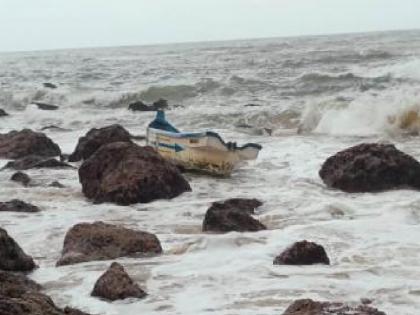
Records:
x=302, y=98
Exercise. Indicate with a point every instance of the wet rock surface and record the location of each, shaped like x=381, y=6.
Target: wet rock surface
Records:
x=56, y=184
x=49, y=85
x=18, y=144
x=310, y=307
x=125, y=173
x=12, y=257
x=371, y=167
x=45, y=106
x=3, y=113
x=96, y=138
x=160, y=104
x=232, y=215
x=21, y=178
x=303, y=253
x=100, y=241
x=14, y=284
x=36, y=161
x=17, y=205
x=116, y=284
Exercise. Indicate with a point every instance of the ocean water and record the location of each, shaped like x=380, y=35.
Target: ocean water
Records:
x=311, y=97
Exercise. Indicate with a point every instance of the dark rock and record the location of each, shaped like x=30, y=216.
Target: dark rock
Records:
x=371, y=167
x=96, y=138
x=36, y=161
x=252, y=105
x=45, y=106
x=125, y=173
x=310, y=307
x=17, y=205
x=101, y=241
x=18, y=144
x=54, y=128
x=303, y=253
x=3, y=113
x=160, y=104
x=73, y=311
x=233, y=215
x=138, y=137
x=116, y=284
x=49, y=85
x=12, y=257
x=21, y=177
x=16, y=284
x=56, y=184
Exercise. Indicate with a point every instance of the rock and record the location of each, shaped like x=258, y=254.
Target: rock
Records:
x=371, y=167
x=73, y=311
x=100, y=241
x=49, y=85
x=125, y=173
x=18, y=144
x=3, y=113
x=96, y=138
x=138, y=137
x=54, y=128
x=116, y=284
x=233, y=215
x=45, y=106
x=303, y=253
x=310, y=307
x=56, y=184
x=12, y=257
x=160, y=104
x=21, y=177
x=16, y=284
x=36, y=161
x=16, y=205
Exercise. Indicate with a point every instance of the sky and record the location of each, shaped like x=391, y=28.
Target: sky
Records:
x=52, y=24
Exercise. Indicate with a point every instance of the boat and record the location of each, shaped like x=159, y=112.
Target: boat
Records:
x=204, y=151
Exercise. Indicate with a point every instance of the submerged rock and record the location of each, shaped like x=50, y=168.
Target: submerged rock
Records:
x=233, y=215
x=49, y=85
x=160, y=104
x=116, y=284
x=100, y=241
x=96, y=138
x=56, y=184
x=303, y=253
x=12, y=257
x=45, y=106
x=36, y=161
x=18, y=144
x=371, y=167
x=310, y=307
x=125, y=173
x=3, y=113
x=17, y=205
x=21, y=177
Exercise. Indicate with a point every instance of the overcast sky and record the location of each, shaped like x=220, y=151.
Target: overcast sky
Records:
x=48, y=24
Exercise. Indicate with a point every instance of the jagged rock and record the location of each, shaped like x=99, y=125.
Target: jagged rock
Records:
x=303, y=253
x=18, y=144
x=3, y=113
x=233, y=215
x=17, y=205
x=125, y=173
x=310, y=307
x=21, y=177
x=49, y=85
x=101, y=241
x=12, y=257
x=45, y=106
x=116, y=284
x=56, y=184
x=371, y=167
x=15, y=284
x=96, y=138
x=36, y=161
x=160, y=104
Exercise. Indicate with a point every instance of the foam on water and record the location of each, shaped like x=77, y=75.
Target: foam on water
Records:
x=370, y=238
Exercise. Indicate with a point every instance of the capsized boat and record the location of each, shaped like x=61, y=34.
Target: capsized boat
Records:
x=198, y=151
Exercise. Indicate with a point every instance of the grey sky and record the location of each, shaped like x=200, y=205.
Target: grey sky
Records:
x=47, y=24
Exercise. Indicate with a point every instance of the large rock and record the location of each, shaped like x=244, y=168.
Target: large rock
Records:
x=310, y=307
x=96, y=138
x=3, y=113
x=12, y=257
x=16, y=284
x=16, y=205
x=18, y=144
x=101, y=241
x=303, y=253
x=116, y=284
x=21, y=177
x=160, y=104
x=371, y=168
x=233, y=215
x=125, y=173
x=36, y=161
